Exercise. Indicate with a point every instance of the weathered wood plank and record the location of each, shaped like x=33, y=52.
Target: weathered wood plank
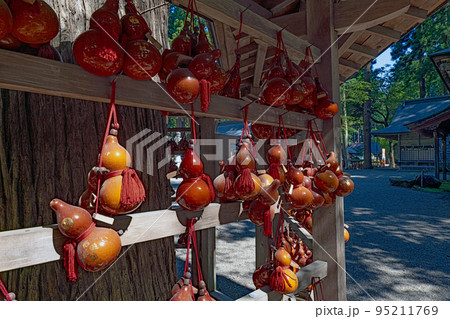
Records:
x=44, y=244
x=417, y=14
x=349, y=64
x=283, y=7
x=346, y=41
x=36, y=75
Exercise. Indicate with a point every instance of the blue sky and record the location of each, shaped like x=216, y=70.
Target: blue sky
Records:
x=384, y=59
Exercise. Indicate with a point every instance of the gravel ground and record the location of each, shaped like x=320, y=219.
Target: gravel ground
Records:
x=399, y=240
x=398, y=249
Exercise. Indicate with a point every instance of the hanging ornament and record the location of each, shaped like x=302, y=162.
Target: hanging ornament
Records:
x=118, y=189
x=262, y=131
x=185, y=293
x=95, y=247
x=6, y=20
x=183, y=86
x=33, y=23
x=97, y=50
x=261, y=276
x=143, y=60
x=224, y=182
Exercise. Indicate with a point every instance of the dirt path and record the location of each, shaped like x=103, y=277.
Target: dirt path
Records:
x=399, y=240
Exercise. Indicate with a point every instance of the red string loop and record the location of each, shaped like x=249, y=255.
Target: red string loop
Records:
x=5, y=291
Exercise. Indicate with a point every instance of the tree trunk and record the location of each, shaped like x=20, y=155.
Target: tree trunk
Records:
x=391, y=154
x=47, y=146
x=367, y=113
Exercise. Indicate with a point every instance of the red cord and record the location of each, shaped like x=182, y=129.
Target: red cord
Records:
x=194, y=240
x=281, y=125
x=112, y=115
x=4, y=291
x=320, y=136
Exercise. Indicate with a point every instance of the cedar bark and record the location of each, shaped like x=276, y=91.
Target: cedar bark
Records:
x=47, y=146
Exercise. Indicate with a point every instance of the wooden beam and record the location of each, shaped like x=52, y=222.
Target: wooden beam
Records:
x=36, y=75
x=283, y=7
x=387, y=33
x=248, y=48
x=38, y=245
x=293, y=22
x=228, y=12
x=363, y=50
x=256, y=8
x=345, y=41
x=419, y=15
x=355, y=15
x=259, y=64
x=317, y=269
x=230, y=45
x=349, y=64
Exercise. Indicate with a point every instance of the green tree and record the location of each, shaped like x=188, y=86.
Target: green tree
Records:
x=412, y=65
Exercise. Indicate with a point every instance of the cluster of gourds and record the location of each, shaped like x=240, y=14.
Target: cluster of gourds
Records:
x=99, y=49
x=280, y=273
x=190, y=68
x=294, y=87
x=28, y=26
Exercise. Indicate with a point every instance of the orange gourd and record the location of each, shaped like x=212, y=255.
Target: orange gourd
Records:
x=100, y=246
x=183, y=86
x=326, y=181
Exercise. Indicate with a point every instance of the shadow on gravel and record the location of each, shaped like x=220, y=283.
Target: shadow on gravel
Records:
x=398, y=248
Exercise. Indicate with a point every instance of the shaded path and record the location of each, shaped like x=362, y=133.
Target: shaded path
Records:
x=399, y=240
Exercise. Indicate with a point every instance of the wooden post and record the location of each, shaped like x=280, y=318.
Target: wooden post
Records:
x=328, y=224
x=444, y=157
x=206, y=239
x=436, y=154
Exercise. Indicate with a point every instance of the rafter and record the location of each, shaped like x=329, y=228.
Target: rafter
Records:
x=356, y=15
x=363, y=50
x=346, y=40
x=349, y=64
x=387, y=33
x=283, y=7
x=417, y=14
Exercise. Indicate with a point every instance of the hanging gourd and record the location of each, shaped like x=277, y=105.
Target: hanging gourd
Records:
x=113, y=186
x=232, y=87
x=224, y=182
x=96, y=247
x=143, y=60
x=345, y=187
x=6, y=20
x=262, y=131
x=261, y=276
x=196, y=190
x=183, y=86
x=96, y=50
x=276, y=156
x=34, y=22
x=283, y=280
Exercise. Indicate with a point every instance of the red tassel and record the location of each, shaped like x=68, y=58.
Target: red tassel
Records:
x=279, y=279
x=208, y=181
x=133, y=192
x=273, y=170
x=69, y=260
x=267, y=223
x=229, y=179
x=245, y=183
x=205, y=94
